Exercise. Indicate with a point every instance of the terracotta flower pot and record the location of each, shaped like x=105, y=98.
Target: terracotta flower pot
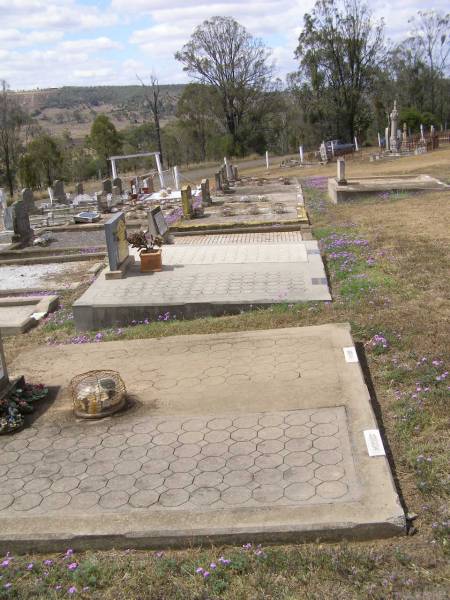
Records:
x=151, y=261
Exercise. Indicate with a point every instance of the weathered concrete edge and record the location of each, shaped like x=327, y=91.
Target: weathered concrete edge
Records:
x=44, y=304
x=182, y=538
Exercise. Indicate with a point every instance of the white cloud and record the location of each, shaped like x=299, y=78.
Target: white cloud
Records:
x=85, y=45
x=70, y=42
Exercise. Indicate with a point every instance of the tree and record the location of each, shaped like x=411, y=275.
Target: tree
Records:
x=12, y=119
x=432, y=38
x=223, y=54
x=340, y=51
x=104, y=139
x=155, y=104
x=46, y=157
x=198, y=110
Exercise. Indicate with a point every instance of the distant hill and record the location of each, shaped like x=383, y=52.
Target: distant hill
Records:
x=74, y=108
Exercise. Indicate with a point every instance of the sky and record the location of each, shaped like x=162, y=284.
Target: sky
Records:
x=51, y=43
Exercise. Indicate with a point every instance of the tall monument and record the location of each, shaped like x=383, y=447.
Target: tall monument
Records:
x=394, y=125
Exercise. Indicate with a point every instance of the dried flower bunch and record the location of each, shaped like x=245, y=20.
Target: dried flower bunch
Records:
x=144, y=242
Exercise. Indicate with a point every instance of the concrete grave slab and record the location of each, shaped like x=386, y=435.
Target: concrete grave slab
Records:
x=241, y=436
x=19, y=314
x=199, y=280
x=361, y=187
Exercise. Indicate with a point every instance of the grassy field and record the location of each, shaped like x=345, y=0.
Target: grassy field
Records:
x=387, y=260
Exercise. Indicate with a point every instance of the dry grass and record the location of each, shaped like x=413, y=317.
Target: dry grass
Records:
x=398, y=287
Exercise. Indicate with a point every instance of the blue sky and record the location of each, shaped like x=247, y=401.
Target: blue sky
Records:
x=49, y=43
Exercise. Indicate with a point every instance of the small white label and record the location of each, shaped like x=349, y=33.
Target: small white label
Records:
x=350, y=354
x=374, y=442
x=38, y=315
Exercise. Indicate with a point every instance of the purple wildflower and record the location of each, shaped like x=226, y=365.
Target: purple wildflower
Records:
x=72, y=566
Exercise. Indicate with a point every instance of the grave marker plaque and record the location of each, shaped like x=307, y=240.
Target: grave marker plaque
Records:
x=157, y=225
x=116, y=241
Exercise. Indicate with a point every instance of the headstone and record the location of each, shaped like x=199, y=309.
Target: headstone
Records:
x=107, y=186
x=422, y=134
x=386, y=139
x=117, y=182
x=102, y=201
x=2, y=200
x=235, y=173
x=405, y=133
x=4, y=379
x=116, y=195
x=79, y=189
x=186, y=201
x=218, y=180
x=28, y=198
x=206, y=196
x=116, y=241
x=8, y=218
x=379, y=140
x=59, y=195
x=341, y=171
x=394, y=125
x=323, y=152
x=157, y=225
x=21, y=221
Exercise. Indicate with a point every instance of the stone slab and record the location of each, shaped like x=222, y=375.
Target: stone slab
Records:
x=207, y=280
x=243, y=436
x=19, y=314
x=369, y=186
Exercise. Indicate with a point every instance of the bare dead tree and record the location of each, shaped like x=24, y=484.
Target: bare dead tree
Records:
x=155, y=103
x=223, y=54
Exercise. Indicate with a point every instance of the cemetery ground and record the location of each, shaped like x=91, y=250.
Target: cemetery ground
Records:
x=386, y=260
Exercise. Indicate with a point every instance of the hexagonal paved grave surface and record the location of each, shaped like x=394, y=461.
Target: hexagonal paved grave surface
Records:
x=282, y=458
x=237, y=436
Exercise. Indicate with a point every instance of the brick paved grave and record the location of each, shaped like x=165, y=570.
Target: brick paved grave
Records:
x=208, y=279
x=238, y=436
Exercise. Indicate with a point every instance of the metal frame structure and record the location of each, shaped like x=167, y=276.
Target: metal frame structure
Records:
x=155, y=154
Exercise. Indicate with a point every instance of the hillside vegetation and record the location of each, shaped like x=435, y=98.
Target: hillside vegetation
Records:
x=75, y=108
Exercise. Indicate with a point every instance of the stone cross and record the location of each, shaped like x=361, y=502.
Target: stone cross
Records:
x=186, y=201
x=394, y=126
x=206, y=196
